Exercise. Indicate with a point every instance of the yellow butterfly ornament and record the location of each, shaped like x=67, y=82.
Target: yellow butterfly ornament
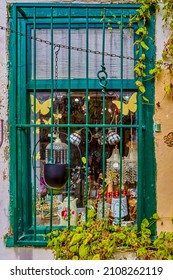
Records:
x=56, y=117
x=43, y=108
x=126, y=107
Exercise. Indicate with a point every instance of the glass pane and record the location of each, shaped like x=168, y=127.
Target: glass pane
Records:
x=120, y=155
x=78, y=57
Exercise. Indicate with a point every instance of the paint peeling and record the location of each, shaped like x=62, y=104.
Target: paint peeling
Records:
x=6, y=153
x=4, y=175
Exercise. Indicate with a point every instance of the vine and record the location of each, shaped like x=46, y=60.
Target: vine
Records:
x=142, y=17
x=98, y=240
x=167, y=54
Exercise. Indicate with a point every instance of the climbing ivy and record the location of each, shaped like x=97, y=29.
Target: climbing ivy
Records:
x=166, y=62
x=142, y=17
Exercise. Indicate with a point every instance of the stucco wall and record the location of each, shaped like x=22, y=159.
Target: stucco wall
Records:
x=164, y=154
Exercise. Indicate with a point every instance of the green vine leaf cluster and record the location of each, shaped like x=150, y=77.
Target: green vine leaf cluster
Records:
x=98, y=240
x=143, y=15
x=141, y=18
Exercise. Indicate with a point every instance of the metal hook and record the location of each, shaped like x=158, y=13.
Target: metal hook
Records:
x=102, y=76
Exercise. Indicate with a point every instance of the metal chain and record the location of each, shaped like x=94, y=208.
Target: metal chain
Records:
x=168, y=65
x=65, y=46
x=56, y=67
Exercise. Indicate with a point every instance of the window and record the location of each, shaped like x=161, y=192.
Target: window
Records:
x=79, y=134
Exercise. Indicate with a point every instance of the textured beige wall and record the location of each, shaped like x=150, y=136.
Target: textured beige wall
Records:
x=164, y=153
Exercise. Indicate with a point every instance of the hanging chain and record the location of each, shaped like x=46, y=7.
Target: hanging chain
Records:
x=67, y=47
x=169, y=65
x=56, y=67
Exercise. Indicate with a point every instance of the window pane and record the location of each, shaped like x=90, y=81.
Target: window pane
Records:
x=121, y=175
x=78, y=57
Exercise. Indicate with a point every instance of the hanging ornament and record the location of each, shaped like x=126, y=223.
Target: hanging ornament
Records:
x=113, y=167
x=130, y=162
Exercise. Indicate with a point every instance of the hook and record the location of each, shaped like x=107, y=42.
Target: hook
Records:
x=103, y=76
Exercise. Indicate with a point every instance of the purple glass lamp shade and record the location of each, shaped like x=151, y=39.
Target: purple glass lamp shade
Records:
x=55, y=175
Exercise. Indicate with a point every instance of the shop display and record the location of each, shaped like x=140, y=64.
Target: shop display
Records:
x=61, y=156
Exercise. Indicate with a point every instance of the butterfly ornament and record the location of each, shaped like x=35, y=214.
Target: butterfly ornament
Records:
x=131, y=106
x=43, y=107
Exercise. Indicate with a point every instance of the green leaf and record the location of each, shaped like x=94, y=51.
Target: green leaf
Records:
x=144, y=46
x=145, y=99
x=142, y=57
x=96, y=257
x=156, y=216
x=142, y=31
x=144, y=224
x=164, y=54
x=91, y=213
x=84, y=251
x=84, y=160
x=138, y=83
x=142, y=89
x=74, y=248
x=76, y=238
x=75, y=258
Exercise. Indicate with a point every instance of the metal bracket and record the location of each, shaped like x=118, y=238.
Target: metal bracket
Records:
x=157, y=127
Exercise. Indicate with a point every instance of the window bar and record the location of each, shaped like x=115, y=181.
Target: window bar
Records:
x=69, y=105
x=51, y=115
x=87, y=130
x=80, y=125
x=34, y=75
x=121, y=115
x=20, y=137
x=103, y=116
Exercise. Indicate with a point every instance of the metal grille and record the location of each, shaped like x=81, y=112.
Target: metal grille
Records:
x=76, y=117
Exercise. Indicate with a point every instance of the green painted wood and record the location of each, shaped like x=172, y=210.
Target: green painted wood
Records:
x=149, y=173
x=140, y=188
x=35, y=136
x=12, y=124
x=80, y=84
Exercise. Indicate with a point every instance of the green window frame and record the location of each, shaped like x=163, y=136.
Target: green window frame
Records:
x=24, y=21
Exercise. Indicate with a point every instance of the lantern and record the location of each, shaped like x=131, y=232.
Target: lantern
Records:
x=56, y=169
